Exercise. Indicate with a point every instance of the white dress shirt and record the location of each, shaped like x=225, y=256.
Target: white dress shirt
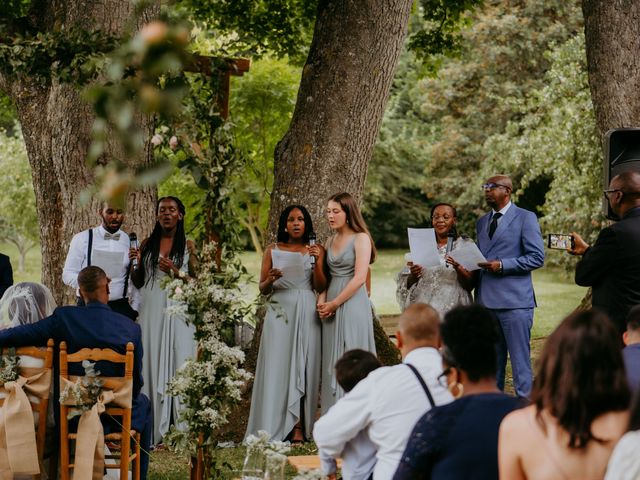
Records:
x=110, y=255
x=387, y=404
x=358, y=458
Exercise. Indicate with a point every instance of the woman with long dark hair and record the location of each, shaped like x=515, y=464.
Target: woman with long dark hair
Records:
x=287, y=381
x=345, y=308
x=166, y=339
x=579, y=405
x=443, y=286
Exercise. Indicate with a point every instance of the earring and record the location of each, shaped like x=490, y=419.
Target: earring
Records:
x=459, y=387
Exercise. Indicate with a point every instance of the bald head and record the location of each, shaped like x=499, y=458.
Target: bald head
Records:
x=501, y=180
x=418, y=326
x=625, y=192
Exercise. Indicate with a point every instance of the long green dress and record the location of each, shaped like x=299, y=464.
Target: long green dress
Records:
x=352, y=325
x=288, y=370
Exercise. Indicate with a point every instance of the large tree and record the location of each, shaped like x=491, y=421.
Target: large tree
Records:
x=57, y=122
x=612, y=36
x=341, y=100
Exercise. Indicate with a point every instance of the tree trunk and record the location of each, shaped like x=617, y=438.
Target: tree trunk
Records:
x=56, y=125
x=612, y=36
x=343, y=92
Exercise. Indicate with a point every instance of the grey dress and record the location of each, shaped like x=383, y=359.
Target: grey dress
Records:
x=352, y=325
x=287, y=377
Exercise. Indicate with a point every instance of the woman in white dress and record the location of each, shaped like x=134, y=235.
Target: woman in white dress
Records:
x=444, y=286
x=166, y=338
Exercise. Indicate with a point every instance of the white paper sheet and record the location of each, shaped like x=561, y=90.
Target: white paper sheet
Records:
x=424, y=249
x=467, y=254
x=290, y=263
x=110, y=262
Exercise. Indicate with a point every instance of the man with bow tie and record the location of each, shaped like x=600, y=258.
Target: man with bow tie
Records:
x=107, y=247
x=509, y=237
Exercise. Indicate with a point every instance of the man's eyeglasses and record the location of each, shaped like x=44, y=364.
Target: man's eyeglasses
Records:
x=609, y=191
x=491, y=186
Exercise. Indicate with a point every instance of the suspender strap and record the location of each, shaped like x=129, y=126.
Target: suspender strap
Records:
x=89, y=247
x=424, y=385
x=126, y=282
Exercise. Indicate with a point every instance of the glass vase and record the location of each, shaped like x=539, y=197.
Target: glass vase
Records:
x=275, y=467
x=253, y=466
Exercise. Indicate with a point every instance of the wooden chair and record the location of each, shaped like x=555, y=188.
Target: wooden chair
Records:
x=38, y=405
x=124, y=436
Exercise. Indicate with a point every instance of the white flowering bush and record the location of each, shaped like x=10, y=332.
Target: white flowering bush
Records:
x=211, y=384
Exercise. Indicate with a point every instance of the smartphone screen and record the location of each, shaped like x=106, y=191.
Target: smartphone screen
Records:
x=560, y=241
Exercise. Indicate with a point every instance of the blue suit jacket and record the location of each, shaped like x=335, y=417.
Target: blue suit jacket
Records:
x=92, y=326
x=518, y=243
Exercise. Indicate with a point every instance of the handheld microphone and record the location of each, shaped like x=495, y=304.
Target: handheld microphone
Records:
x=450, y=238
x=312, y=242
x=133, y=243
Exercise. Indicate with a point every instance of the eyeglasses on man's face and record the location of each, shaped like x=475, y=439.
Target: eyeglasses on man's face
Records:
x=492, y=186
x=608, y=192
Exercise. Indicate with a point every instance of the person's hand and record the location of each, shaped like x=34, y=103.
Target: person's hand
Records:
x=273, y=275
x=167, y=266
x=134, y=253
x=416, y=271
x=316, y=251
x=327, y=309
x=579, y=245
x=449, y=259
x=493, y=266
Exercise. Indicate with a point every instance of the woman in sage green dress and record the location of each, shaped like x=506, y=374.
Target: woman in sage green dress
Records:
x=345, y=308
x=287, y=380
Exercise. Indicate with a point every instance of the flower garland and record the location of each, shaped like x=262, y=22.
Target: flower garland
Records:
x=85, y=391
x=211, y=384
x=9, y=367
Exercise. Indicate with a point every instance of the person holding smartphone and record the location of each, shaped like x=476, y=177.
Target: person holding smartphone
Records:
x=612, y=265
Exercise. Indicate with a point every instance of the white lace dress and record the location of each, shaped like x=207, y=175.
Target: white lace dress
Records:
x=438, y=286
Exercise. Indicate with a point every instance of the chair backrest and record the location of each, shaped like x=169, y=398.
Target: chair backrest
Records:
x=34, y=358
x=110, y=383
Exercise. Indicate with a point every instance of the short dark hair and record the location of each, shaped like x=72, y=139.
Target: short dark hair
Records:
x=633, y=319
x=283, y=235
x=90, y=277
x=581, y=375
x=443, y=204
x=470, y=334
x=353, y=366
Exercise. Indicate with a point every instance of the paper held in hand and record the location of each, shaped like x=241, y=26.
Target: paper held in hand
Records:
x=423, y=246
x=467, y=254
x=291, y=264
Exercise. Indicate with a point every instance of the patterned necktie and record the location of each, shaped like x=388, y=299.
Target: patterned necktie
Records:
x=111, y=236
x=494, y=224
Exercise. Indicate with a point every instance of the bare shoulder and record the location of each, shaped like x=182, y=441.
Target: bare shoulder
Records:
x=611, y=425
x=191, y=246
x=362, y=238
x=519, y=421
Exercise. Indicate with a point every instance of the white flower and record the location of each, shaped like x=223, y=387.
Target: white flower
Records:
x=157, y=139
x=173, y=142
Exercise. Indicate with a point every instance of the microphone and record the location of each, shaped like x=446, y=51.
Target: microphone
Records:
x=451, y=236
x=133, y=243
x=312, y=242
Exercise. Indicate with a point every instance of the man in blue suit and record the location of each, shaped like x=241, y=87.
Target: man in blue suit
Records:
x=92, y=326
x=509, y=237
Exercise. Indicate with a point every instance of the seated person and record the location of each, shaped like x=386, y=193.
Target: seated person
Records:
x=25, y=303
x=92, y=326
x=388, y=403
x=359, y=455
x=460, y=440
x=631, y=353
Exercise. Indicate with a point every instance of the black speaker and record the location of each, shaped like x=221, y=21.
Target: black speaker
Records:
x=622, y=154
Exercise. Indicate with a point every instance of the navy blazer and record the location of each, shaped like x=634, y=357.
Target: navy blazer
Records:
x=93, y=326
x=612, y=267
x=518, y=243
